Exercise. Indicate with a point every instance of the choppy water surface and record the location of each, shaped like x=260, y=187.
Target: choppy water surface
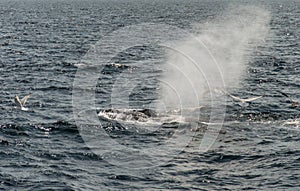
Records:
x=42, y=44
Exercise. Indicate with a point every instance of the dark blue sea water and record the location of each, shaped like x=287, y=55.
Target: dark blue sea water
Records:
x=42, y=48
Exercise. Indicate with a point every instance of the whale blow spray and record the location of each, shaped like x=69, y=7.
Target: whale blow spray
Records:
x=216, y=57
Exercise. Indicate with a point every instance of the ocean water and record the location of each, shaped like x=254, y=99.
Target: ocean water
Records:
x=47, y=46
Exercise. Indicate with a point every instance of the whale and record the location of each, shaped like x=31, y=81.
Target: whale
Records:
x=145, y=116
x=140, y=115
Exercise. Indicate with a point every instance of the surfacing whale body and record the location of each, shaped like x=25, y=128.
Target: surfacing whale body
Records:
x=138, y=115
x=142, y=116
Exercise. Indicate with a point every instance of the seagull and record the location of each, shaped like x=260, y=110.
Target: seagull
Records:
x=21, y=103
x=294, y=103
x=243, y=101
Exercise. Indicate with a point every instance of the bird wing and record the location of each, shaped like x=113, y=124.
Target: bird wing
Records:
x=284, y=94
x=23, y=101
x=235, y=98
x=17, y=101
x=253, y=98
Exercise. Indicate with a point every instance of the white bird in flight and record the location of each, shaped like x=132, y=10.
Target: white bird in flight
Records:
x=238, y=99
x=21, y=103
x=294, y=103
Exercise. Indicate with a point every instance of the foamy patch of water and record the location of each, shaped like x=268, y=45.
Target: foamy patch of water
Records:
x=295, y=123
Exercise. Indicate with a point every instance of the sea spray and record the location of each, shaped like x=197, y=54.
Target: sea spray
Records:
x=215, y=58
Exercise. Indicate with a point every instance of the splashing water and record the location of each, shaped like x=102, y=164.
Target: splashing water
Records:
x=214, y=58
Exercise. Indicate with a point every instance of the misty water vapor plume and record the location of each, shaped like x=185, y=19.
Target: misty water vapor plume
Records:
x=216, y=57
